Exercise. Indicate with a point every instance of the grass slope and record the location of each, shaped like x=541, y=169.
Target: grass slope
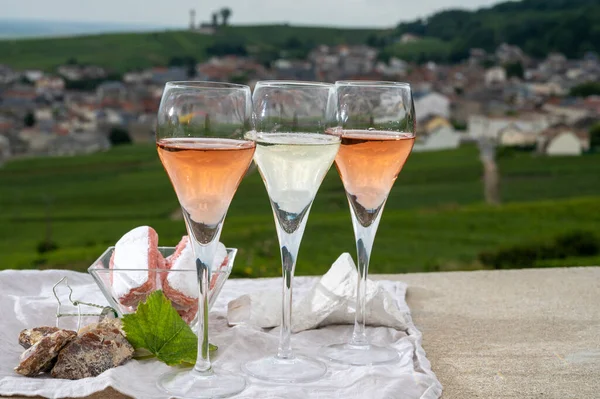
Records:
x=126, y=51
x=434, y=218
x=119, y=51
x=279, y=34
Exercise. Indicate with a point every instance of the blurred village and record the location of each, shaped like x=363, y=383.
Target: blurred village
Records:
x=506, y=96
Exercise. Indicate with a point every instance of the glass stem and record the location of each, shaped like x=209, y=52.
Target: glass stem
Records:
x=365, y=236
x=204, y=256
x=289, y=235
x=288, y=262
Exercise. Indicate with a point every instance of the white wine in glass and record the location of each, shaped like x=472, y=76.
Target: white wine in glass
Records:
x=293, y=155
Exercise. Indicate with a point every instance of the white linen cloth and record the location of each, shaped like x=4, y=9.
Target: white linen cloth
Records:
x=26, y=301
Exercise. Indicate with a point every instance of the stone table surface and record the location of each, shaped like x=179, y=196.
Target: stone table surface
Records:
x=532, y=333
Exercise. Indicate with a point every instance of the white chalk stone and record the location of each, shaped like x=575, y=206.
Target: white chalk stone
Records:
x=131, y=252
x=187, y=283
x=331, y=301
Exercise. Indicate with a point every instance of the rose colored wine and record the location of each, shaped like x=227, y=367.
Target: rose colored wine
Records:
x=205, y=173
x=369, y=162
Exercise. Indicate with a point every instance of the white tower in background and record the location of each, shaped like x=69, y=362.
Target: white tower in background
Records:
x=192, y=19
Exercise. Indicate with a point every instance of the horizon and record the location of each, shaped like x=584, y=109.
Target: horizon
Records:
x=363, y=13
x=21, y=28
x=92, y=28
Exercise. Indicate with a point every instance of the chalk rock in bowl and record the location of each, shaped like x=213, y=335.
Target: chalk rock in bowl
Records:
x=134, y=261
x=180, y=284
x=41, y=355
x=97, y=348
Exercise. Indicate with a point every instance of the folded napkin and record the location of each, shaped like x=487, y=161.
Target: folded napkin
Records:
x=332, y=300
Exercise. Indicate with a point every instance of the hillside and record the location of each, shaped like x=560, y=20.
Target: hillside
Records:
x=434, y=218
x=538, y=26
x=121, y=52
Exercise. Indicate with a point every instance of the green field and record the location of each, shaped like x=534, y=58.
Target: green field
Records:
x=434, y=219
x=123, y=52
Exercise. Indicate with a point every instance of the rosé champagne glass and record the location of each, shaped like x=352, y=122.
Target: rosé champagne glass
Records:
x=377, y=122
x=201, y=144
x=293, y=155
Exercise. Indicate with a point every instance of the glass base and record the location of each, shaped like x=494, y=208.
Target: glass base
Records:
x=276, y=369
x=360, y=355
x=191, y=384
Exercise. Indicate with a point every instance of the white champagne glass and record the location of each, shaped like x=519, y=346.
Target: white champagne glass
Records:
x=377, y=122
x=201, y=144
x=293, y=155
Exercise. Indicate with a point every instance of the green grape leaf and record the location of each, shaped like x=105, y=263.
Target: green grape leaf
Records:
x=157, y=327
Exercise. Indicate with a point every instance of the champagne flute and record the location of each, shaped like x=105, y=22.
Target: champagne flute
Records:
x=293, y=155
x=200, y=141
x=377, y=122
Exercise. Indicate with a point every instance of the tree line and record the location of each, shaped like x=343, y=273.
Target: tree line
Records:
x=537, y=26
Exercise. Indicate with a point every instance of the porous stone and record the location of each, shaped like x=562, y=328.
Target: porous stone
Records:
x=30, y=336
x=39, y=357
x=97, y=348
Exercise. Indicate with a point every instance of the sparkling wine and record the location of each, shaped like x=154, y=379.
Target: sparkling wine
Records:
x=293, y=166
x=205, y=173
x=369, y=162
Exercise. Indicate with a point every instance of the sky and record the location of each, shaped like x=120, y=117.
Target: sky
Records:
x=173, y=13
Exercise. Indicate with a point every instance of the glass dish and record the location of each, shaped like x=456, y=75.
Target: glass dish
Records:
x=187, y=305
